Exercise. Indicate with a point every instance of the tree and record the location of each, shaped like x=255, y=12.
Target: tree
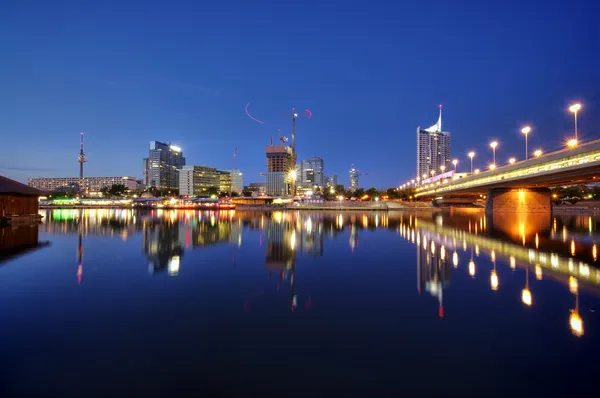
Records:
x=372, y=192
x=212, y=191
x=392, y=193
x=359, y=193
x=246, y=193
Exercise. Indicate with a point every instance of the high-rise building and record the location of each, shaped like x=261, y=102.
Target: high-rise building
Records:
x=237, y=181
x=196, y=180
x=224, y=181
x=331, y=180
x=281, y=166
x=162, y=167
x=433, y=150
x=353, y=178
x=310, y=172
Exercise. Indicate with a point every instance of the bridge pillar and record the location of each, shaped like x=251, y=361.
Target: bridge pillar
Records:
x=507, y=200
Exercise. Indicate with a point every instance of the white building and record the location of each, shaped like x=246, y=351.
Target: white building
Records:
x=237, y=181
x=433, y=150
x=85, y=184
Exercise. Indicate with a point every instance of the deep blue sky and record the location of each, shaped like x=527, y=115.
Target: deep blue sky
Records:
x=371, y=72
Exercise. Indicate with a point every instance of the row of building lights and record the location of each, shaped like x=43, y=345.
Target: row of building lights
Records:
x=571, y=143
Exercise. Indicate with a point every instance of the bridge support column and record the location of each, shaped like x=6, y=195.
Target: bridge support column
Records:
x=506, y=200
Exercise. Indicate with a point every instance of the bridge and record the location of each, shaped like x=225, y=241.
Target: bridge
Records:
x=524, y=185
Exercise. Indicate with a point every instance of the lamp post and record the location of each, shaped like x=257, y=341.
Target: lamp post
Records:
x=471, y=155
x=455, y=162
x=512, y=160
x=575, y=108
x=537, y=153
x=526, y=130
x=494, y=144
x=442, y=168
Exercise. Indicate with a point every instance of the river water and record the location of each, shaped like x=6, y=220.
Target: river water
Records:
x=299, y=304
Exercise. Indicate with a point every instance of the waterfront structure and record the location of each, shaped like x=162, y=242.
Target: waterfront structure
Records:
x=17, y=200
x=331, y=180
x=224, y=180
x=196, y=180
x=353, y=178
x=88, y=185
x=237, y=181
x=310, y=172
x=161, y=168
x=281, y=169
x=257, y=188
x=433, y=149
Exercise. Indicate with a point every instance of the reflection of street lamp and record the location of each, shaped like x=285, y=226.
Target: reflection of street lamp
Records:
x=471, y=265
x=526, y=130
x=526, y=293
x=575, y=108
x=575, y=320
x=471, y=155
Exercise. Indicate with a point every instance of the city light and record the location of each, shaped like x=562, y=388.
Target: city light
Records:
x=494, y=144
x=526, y=297
x=476, y=171
x=572, y=143
x=492, y=166
x=526, y=130
x=471, y=155
x=175, y=148
x=494, y=280
x=471, y=268
x=442, y=168
x=574, y=109
x=455, y=162
x=537, y=153
x=576, y=323
x=512, y=160
x=432, y=172
x=573, y=285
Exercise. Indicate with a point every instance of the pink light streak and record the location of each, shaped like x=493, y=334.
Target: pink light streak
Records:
x=309, y=113
x=250, y=116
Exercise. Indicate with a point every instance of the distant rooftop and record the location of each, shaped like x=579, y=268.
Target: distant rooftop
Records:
x=8, y=186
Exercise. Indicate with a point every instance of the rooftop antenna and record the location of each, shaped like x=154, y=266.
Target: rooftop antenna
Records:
x=81, y=155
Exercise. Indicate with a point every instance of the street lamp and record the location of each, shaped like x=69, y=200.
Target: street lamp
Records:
x=512, y=160
x=492, y=167
x=476, y=171
x=455, y=162
x=537, y=153
x=432, y=172
x=575, y=108
x=413, y=181
x=526, y=130
x=572, y=143
x=471, y=155
x=494, y=144
x=442, y=168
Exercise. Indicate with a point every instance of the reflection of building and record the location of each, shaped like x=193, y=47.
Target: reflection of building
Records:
x=87, y=184
x=433, y=269
x=162, y=166
x=161, y=245
x=257, y=188
x=433, y=149
x=15, y=241
x=196, y=180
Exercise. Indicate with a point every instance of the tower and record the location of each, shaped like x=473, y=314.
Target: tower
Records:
x=81, y=155
x=433, y=149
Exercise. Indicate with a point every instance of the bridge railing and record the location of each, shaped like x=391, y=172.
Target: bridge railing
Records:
x=589, y=152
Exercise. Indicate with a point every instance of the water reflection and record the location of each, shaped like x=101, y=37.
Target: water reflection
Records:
x=558, y=250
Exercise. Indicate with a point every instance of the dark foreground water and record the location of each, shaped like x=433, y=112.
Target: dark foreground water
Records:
x=118, y=303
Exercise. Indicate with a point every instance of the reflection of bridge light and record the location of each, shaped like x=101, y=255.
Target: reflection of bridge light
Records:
x=526, y=297
x=573, y=285
x=572, y=247
x=584, y=270
x=293, y=241
x=538, y=272
x=443, y=253
x=493, y=255
x=432, y=247
x=455, y=259
x=576, y=323
x=513, y=263
x=537, y=241
x=174, y=265
x=424, y=242
x=477, y=250
x=554, y=260
x=471, y=268
x=494, y=280
x=595, y=252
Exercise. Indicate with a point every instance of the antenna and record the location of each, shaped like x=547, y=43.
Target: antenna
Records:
x=231, y=174
x=81, y=156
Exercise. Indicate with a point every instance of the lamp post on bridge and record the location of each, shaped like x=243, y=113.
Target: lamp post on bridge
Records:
x=471, y=155
x=494, y=144
x=526, y=130
x=575, y=108
x=455, y=162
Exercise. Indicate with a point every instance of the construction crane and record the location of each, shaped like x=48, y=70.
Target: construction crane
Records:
x=282, y=138
x=232, y=171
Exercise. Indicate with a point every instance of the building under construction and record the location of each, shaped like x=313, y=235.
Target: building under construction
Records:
x=281, y=167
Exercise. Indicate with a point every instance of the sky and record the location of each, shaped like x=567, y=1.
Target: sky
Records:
x=370, y=72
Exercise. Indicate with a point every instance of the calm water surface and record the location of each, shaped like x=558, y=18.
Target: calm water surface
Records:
x=167, y=303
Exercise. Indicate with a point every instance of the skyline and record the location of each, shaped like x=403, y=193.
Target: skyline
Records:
x=368, y=81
